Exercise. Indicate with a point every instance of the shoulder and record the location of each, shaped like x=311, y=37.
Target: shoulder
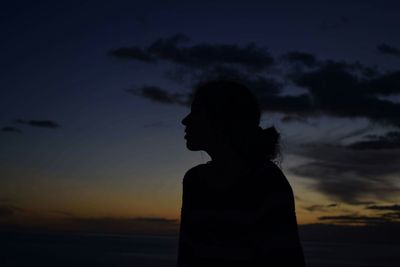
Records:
x=191, y=175
x=274, y=188
x=271, y=176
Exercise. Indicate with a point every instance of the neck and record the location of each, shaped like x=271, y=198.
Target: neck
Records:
x=225, y=158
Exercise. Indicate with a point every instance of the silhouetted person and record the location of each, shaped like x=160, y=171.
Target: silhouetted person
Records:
x=237, y=209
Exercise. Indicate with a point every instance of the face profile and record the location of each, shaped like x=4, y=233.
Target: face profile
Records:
x=222, y=114
x=199, y=133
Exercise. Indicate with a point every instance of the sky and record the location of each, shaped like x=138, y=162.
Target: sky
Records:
x=92, y=94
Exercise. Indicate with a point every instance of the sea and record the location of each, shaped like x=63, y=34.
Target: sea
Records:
x=77, y=249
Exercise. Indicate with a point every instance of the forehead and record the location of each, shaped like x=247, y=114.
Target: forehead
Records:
x=199, y=103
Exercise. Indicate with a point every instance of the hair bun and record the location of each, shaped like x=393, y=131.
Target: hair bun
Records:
x=271, y=132
x=268, y=140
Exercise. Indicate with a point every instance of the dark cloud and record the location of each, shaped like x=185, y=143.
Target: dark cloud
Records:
x=355, y=133
x=340, y=89
x=348, y=175
x=383, y=85
x=39, y=123
x=266, y=89
x=10, y=129
x=323, y=208
x=388, y=49
x=392, y=215
x=394, y=207
x=306, y=59
x=344, y=90
x=354, y=219
x=171, y=50
x=390, y=140
x=157, y=94
x=328, y=88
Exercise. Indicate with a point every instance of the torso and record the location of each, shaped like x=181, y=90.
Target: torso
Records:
x=217, y=192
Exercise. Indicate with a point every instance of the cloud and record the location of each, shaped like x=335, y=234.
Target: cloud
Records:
x=392, y=215
x=362, y=219
x=355, y=133
x=345, y=90
x=39, y=123
x=347, y=175
x=390, y=140
x=306, y=59
x=394, y=207
x=10, y=129
x=354, y=219
x=388, y=50
x=323, y=208
x=327, y=88
x=266, y=89
x=333, y=88
x=386, y=84
x=202, y=55
x=157, y=94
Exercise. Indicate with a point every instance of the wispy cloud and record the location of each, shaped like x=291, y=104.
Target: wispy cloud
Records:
x=363, y=219
x=348, y=175
x=157, y=94
x=39, y=123
x=198, y=55
x=394, y=207
x=388, y=49
x=322, y=208
x=390, y=140
x=10, y=129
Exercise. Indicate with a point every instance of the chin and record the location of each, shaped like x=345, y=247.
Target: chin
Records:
x=193, y=147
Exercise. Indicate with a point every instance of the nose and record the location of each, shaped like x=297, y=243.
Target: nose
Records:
x=185, y=120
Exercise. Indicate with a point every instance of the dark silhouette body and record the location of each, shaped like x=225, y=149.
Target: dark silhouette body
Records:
x=238, y=209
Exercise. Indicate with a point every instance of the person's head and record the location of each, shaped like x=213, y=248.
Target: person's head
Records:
x=226, y=114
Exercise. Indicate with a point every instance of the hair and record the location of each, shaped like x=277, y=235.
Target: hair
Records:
x=235, y=109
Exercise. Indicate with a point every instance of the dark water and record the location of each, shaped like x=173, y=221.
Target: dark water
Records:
x=34, y=249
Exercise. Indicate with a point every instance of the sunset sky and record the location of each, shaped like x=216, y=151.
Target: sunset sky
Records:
x=92, y=94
